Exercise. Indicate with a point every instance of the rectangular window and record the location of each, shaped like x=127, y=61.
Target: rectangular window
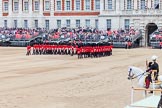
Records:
x=142, y=4
x=97, y=4
x=87, y=4
x=87, y=23
x=67, y=23
x=109, y=4
x=58, y=23
x=5, y=23
x=15, y=23
x=96, y=23
x=25, y=23
x=36, y=23
x=58, y=5
x=47, y=24
x=47, y=5
x=77, y=5
x=36, y=5
x=5, y=7
x=16, y=6
x=127, y=23
x=156, y=4
x=77, y=23
x=108, y=23
x=129, y=4
x=67, y=5
x=26, y=6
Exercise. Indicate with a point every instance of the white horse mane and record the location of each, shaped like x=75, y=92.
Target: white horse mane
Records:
x=135, y=70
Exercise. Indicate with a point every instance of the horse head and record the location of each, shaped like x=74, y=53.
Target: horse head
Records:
x=134, y=72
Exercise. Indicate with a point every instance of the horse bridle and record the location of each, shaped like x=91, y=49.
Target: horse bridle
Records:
x=131, y=77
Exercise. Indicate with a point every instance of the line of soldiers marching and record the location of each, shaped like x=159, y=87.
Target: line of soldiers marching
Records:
x=81, y=51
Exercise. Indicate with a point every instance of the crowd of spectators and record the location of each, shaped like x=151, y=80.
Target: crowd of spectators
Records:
x=80, y=33
x=20, y=33
x=90, y=34
x=157, y=35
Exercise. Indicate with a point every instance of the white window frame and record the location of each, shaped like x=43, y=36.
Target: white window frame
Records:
x=96, y=23
x=86, y=5
x=110, y=3
x=24, y=6
x=127, y=26
x=96, y=5
x=47, y=25
x=5, y=9
x=45, y=4
x=67, y=8
x=129, y=4
x=87, y=22
x=68, y=25
x=16, y=9
x=78, y=23
x=5, y=23
x=56, y=7
x=59, y=23
x=15, y=23
x=109, y=23
x=36, y=23
x=35, y=8
x=26, y=24
x=76, y=7
x=142, y=7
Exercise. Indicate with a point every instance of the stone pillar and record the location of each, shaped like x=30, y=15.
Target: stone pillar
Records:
x=30, y=7
x=41, y=18
x=122, y=5
x=135, y=4
x=101, y=6
x=9, y=7
x=125, y=4
x=160, y=4
x=149, y=4
x=52, y=7
x=114, y=4
x=152, y=4
x=118, y=7
x=20, y=6
x=41, y=7
x=1, y=7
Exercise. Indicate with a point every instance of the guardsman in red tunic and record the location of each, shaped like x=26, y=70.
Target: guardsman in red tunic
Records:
x=34, y=49
x=160, y=44
x=79, y=53
x=129, y=44
x=92, y=52
x=28, y=50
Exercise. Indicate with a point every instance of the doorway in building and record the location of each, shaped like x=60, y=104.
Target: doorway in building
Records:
x=150, y=28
